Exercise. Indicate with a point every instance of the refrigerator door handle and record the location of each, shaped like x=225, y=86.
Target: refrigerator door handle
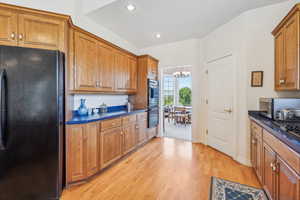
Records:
x=3, y=107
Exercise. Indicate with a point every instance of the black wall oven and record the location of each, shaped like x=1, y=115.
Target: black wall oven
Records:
x=153, y=103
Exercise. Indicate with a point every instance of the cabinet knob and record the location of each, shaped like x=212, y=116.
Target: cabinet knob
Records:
x=253, y=142
x=281, y=81
x=21, y=36
x=13, y=36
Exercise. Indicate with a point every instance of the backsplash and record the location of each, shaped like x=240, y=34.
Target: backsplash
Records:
x=95, y=100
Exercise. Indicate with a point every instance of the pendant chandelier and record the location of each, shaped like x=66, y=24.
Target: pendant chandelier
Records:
x=181, y=74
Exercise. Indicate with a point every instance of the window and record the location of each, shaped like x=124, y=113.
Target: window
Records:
x=169, y=87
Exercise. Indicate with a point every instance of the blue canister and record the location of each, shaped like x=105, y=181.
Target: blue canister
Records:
x=82, y=110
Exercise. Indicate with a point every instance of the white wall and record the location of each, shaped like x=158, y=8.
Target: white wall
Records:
x=75, y=9
x=183, y=53
x=248, y=37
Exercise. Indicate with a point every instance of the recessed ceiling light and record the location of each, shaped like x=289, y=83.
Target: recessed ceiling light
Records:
x=130, y=7
x=158, y=35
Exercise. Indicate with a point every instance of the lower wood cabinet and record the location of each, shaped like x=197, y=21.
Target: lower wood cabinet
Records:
x=288, y=181
x=111, y=146
x=280, y=165
x=142, y=131
x=82, y=151
x=269, y=158
x=75, y=153
x=129, y=137
x=94, y=146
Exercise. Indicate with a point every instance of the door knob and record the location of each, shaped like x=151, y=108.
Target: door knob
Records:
x=228, y=110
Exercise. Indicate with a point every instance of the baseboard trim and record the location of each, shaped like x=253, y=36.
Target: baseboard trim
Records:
x=243, y=161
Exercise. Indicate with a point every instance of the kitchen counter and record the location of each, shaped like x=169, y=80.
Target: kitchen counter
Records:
x=103, y=116
x=289, y=139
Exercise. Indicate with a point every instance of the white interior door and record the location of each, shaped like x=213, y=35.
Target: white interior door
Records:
x=221, y=80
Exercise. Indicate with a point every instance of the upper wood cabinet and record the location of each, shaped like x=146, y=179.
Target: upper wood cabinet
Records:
x=8, y=27
x=85, y=65
x=41, y=32
x=147, y=69
x=26, y=29
x=99, y=67
x=105, y=67
x=287, y=52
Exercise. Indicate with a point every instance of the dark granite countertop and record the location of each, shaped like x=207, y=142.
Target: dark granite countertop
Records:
x=103, y=116
x=289, y=139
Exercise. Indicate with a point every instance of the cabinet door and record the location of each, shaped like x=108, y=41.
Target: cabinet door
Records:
x=279, y=61
x=288, y=182
x=111, y=146
x=105, y=68
x=121, y=72
x=132, y=63
x=269, y=158
x=76, y=168
x=130, y=138
x=259, y=160
x=41, y=32
x=253, y=151
x=92, y=151
x=152, y=68
x=8, y=27
x=85, y=62
x=142, y=132
x=291, y=47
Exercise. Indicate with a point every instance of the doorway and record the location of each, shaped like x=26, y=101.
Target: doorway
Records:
x=176, y=93
x=221, y=105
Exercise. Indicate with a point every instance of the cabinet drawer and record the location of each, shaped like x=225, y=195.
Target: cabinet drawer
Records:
x=256, y=130
x=142, y=116
x=129, y=119
x=111, y=123
x=290, y=156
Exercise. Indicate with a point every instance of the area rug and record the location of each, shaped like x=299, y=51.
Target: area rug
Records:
x=227, y=190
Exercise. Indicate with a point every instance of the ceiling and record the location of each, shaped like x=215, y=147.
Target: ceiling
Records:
x=175, y=20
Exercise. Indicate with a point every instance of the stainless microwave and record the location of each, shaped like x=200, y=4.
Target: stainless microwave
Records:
x=271, y=107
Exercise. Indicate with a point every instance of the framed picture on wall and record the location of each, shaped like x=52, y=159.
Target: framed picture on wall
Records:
x=257, y=78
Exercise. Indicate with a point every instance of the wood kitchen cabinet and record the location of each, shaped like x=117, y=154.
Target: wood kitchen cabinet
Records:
x=32, y=29
x=92, y=148
x=286, y=36
x=129, y=137
x=85, y=65
x=82, y=151
x=75, y=154
x=256, y=149
x=277, y=166
x=105, y=68
x=111, y=146
x=125, y=73
x=288, y=181
x=142, y=132
x=36, y=31
x=269, y=158
x=147, y=69
x=8, y=27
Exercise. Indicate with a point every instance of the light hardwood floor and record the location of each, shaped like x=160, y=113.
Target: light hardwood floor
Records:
x=164, y=169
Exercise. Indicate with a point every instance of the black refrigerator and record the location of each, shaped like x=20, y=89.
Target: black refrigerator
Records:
x=31, y=123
